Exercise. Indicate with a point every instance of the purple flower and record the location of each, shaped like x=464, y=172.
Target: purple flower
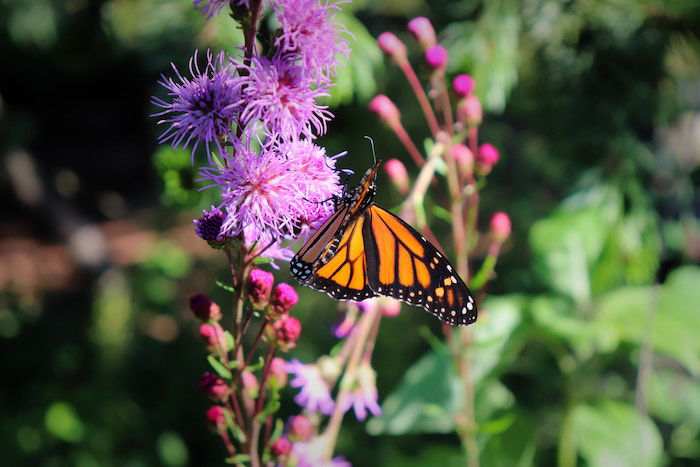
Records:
x=210, y=8
x=313, y=454
x=314, y=394
x=309, y=29
x=203, y=108
x=277, y=94
x=208, y=227
x=363, y=396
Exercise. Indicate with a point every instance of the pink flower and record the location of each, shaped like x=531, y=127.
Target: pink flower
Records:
x=259, y=287
x=392, y=46
x=469, y=111
x=463, y=85
x=384, y=108
x=397, y=174
x=214, y=387
x=287, y=330
x=213, y=335
x=436, y=57
x=204, y=308
x=487, y=156
x=500, y=226
x=216, y=416
x=299, y=428
x=284, y=297
x=314, y=394
x=281, y=447
x=422, y=30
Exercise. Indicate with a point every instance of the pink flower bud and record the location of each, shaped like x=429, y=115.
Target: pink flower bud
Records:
x=436, y=57
x=300, y=428
x=390, y=307
x=259, y=287
x=500, y=226
x=250, y=384
x=278, y=372
x=213, y=336
x=283, y=299
x=281, y=447
x=464, y=158
x=384, y=108
x=397, y=174
x=214, y=387
x=463, y=85
x=216, y=417
x=204, y=308
x=423, y=31
x=392, y=46
x=469, y=111
x=487, y=156
x=287, y=330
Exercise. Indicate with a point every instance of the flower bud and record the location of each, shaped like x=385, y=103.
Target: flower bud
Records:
x=486, y=157
x=204, y=308
x=250, y=383
x=278, y=372
x=259, y=287
x=500, y=226
x=283, y=299
x=299, y=428
x=281, y=447
x=423, y=31
x=463, y=85
x=464, y=158
x=385, y=109
x=436, y=57
x=397, y=174
x=214, y=387
x=389, y=307
x=213, y=335
x=208, y=227
x=287, y=330
x=469, y=111
x=216, y=417
x=392, y=46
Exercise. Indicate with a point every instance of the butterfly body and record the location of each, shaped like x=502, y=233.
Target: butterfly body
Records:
x=363, y=251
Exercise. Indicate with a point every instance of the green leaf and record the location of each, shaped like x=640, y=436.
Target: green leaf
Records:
x=238, y=459
x=226, y=287
x=674, y=397
x=219, y=367
x=270, y=408
x=615, y=433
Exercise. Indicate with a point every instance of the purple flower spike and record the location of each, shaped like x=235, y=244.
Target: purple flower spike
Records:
x=202, y=108
x=314, y=394
x=364, y=396
x=310, y=30
x=277, y=94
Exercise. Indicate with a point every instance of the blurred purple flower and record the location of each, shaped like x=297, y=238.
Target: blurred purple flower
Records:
x=312, y=454
x=277, y=94
x=202, y=108
x=210, y=8
x=309, y=29
x=363, y=396
x=314, y=394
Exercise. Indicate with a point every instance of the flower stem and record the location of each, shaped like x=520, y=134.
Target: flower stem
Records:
x=418, y=90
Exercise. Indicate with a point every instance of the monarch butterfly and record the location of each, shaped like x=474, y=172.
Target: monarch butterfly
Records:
x=362, y=251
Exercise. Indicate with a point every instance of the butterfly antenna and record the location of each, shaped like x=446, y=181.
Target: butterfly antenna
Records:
x=374, y=155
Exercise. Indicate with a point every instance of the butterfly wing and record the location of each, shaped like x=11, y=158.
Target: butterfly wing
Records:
x=404, y=265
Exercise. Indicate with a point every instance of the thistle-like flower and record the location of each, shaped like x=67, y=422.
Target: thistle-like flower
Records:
x=309, y=29
x=203, y=107
x=314, y=394
x=278, y=94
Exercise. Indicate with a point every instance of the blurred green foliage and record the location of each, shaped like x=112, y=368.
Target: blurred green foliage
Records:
x=586, y=351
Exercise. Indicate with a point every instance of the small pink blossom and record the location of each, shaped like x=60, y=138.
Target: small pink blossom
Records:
x=216, y=416
x=397, y=174
x=299, y=428
x=469, y=111
x=384, y=108
x=392, y=46
x=284, y=297
x=278, y=373
x=281, y=447
x=422, y=29
x=259, y=287
x=500, y=226
x=436, y=57
x=463, y=85
x=214, y=387
x=488, y=155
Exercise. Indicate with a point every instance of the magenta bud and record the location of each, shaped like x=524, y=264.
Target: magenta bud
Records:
x=463, y=85
x=204, y=308
x=214, y=387
x=436, y=57
x=216, y=417
x=398, y=175
x=487, y=156
x=469, y=111
x=392, y=46
x=250, y=384
x=213, y=335
x=500, y=226
x=464, y=158
x=259, y=287
x=283, y=299
x=384, y=108
x=422, y=29
x=300, y=428
x=287, y=330
x=281, y=447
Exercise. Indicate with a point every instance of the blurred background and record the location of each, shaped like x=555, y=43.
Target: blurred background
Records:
x=589, y=352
